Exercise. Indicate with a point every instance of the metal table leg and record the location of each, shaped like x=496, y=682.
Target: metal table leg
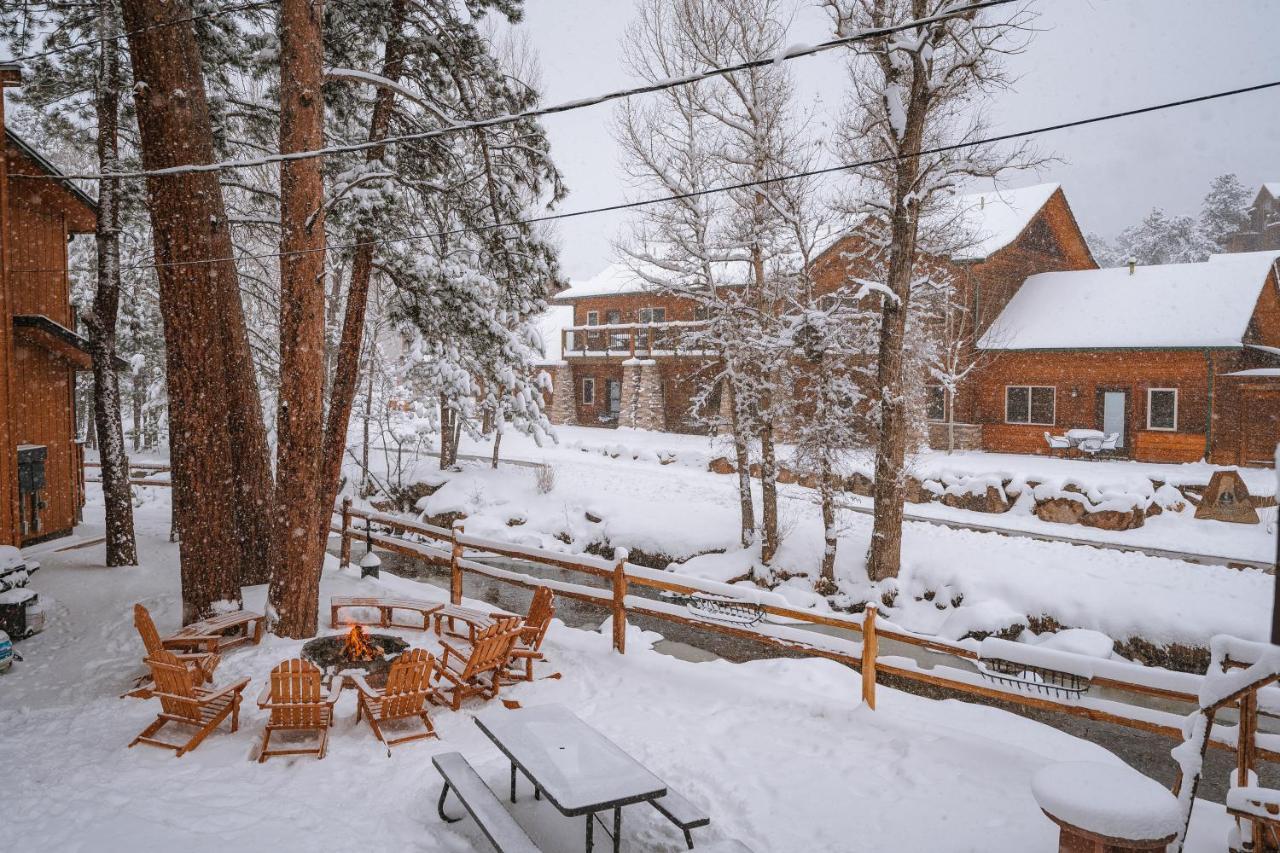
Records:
x=590, y=829
x=617, y=829
x=513, y=781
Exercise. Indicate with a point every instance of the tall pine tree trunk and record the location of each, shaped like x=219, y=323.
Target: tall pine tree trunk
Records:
x=213, y=393
x=122, y=549
x=347, y=370
x=300, y=520
x=137, y=395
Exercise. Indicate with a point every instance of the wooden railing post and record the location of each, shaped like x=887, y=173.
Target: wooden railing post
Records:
x=869, y=644
x=455, y=569
x=345, y=549
x=619, y=600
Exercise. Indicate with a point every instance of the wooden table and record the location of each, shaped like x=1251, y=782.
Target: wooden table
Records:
x=219, y=632
x=580, y=771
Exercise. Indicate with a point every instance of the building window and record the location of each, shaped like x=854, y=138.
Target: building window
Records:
x=1029, y=404
x=613, y=317
x=588, y=392
x=593, y=318
x=700, y=312
x=936, y=407
x=1162, y=408
x=653, y=315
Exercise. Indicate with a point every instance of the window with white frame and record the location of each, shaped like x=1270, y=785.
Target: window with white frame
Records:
x=588, y=391
x=1162, y=408
x=1029, y=404
x=593, y=318
x=653, y=315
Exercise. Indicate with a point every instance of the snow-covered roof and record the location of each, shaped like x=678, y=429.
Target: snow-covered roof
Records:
x=993, y=220
x=623, y=278
x=547, y=326
x=1256, y=371
x=1205, y=304
x=1272, y=187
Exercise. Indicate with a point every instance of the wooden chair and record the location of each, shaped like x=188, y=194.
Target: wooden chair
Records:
x=181, y=701
x=405, y=696
x=297, y=704
x=201, y=664
x=475, y=669
x=528, y=646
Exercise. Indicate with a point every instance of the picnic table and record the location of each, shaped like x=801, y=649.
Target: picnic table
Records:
x=580, y=771
x=218, y=632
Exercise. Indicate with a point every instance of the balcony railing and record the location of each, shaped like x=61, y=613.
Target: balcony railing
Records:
x=634, y=340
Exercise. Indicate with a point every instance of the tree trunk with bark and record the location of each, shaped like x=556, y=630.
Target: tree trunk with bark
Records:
x=768, y=495
x=137, y=396
x=827, y=492
x=121, y=546
x=742, y=458
x=300, y=516
x=206, y=347
x=347, y=369
x=884, y=556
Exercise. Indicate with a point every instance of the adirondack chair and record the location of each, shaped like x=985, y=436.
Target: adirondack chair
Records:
x=528, y=646
x=475, y=669
x=405, y=696
x=181, y=701
x=297, y=704
x=201, y=664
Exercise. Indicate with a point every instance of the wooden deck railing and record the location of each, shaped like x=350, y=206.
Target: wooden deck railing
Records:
x=632, y=340
x=455, y=550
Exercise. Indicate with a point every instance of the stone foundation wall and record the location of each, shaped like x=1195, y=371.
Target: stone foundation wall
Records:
x=642, y=403
x=564, y=407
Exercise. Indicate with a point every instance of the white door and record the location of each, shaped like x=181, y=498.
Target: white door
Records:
x=1113, y=411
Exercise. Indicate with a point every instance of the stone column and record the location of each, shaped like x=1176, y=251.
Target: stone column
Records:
x=564, y=407
x=642, y=403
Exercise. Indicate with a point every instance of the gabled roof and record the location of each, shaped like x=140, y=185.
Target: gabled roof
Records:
x=1272, y=187
x=993, y=220
x=47, y=167
x=619, y=278
x=1168, y=306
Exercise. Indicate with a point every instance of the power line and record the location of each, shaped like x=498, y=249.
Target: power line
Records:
x=90, y=42
x=649, y=202
x=785, y=55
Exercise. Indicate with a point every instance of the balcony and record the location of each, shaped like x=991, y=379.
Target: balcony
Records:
x=634, y=340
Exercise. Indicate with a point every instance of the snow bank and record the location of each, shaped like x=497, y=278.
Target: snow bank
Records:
x=1108, y=799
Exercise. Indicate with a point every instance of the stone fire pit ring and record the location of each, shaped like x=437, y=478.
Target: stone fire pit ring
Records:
x=326, y=653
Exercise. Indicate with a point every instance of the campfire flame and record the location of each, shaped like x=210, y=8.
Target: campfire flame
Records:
x=358, y=647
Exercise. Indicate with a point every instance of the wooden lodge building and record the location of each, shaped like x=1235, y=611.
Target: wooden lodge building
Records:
x=41, y=464
x=1183, y=361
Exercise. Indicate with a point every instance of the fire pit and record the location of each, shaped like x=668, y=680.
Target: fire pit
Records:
x=356, y=649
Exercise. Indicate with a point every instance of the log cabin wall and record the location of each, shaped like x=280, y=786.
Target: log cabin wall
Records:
x=40, y=216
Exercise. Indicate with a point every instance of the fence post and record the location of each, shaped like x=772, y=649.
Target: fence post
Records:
x=869, y=650
x=345, y=551
x=455, y=570
x=619, y=600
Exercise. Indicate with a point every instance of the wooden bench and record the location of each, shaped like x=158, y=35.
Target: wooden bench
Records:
x=219, y=632
x=682, y=813
x=385, y=608
x=482, y=804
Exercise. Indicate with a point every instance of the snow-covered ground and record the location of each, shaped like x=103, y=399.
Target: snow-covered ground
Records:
x=681, y=510
x=780, y=752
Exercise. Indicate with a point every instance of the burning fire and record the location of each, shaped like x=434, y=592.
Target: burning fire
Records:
x=358, y=647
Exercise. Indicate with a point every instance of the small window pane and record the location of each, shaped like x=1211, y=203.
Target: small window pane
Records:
x=1042, y=406
x=1163, y=410
x=1017, y=404
x=657, y=315
x=588, y=391
x=593, y=318
x=937, y=407
x=613, y=317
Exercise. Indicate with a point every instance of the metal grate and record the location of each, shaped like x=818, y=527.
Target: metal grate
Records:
x=1033, y=679
x=722, y=609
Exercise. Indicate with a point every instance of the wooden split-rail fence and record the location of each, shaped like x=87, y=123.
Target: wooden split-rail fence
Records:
x=696, y=603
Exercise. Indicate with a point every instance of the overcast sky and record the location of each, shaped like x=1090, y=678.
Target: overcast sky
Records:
x=1093, y=56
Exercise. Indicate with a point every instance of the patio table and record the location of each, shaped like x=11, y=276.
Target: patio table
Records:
x=1075, y=436
x=580, y=770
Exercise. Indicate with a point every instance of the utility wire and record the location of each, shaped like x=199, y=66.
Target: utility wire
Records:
x=90, y=42
x=612, y=208
x=786, y=55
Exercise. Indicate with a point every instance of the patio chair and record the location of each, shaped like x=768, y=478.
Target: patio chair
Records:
x=1090, y=446
x=405, y=696
x=533, y=630
x=1056, y=442
x=1111, y=441
x=201, y=664
x=297, y=704
x=475, y=669
x=181, y=701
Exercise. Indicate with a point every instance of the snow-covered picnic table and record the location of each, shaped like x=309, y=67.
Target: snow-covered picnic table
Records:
x=580, y=771
x=1075, y=436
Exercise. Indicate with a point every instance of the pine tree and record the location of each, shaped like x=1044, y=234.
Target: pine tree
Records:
x=1225, y=211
